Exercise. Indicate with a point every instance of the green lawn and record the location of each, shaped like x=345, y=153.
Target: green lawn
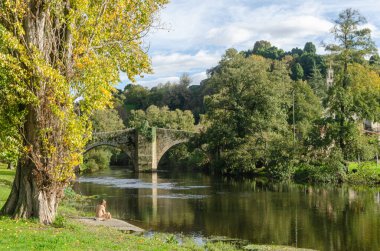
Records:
x=6, y=179
x=28, y=235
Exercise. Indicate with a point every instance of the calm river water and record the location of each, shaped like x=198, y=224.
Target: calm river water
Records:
x=319, y=217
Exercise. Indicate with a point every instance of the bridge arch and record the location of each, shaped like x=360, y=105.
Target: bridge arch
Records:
x=95, y=145
x=127, y=150
x=161, y=152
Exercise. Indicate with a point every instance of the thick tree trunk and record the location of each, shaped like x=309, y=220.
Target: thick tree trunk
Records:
x=28, y=200
x=33, y=193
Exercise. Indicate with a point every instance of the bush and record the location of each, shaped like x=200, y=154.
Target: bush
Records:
x=281, y=171
x=89, y=166
x=59, y=222
x=323, y=170
x=238, y=161
x=96, y=159
x=69, y=193
x=327, y=173
x=364, y=174
x=198, y=159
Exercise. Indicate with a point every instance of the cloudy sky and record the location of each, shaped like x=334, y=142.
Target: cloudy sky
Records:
x=197, y=32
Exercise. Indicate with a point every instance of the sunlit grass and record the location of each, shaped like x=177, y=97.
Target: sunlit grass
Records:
x=6, y=179
x=367, y=165
x=365, y=173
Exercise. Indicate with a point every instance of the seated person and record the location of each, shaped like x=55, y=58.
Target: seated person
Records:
x=101, y=211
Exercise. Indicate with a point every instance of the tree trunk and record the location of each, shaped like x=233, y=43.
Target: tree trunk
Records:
x=34, y=193
x=342, y=120
x=10, y=166
x=28, y=200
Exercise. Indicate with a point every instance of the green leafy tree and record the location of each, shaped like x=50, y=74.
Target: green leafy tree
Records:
x=307, y=109
x=353, y=43
x=136, y=97
x=53, y=54
x=308, y=62
x=106, y=120
x=246, y=115
x=261, y=45
x=318, y=83
x=162, y=118
x=297, y=72
x=310, y=48
x=296, y=52
x=375, y=60
x=265, y=49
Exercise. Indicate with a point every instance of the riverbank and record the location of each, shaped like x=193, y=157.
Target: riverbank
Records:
x=68, y=234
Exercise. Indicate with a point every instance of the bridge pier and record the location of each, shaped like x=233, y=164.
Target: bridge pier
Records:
x=146, y=154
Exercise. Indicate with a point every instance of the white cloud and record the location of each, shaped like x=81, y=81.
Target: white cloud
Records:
x=154, y=82
x=180, y=62
x=199, y=31
x=196, y=79
x=375, y=31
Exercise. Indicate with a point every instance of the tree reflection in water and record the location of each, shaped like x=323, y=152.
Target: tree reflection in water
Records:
x=319, y=217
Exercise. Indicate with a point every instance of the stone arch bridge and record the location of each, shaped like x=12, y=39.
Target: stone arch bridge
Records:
x=145, y=150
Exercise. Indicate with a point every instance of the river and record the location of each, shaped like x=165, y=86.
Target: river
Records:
x=319, y=217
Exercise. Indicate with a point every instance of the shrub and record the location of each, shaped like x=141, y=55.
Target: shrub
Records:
x=96, y=159
x=69, y=193
x=364, y=174
x=326, y=173
x=281, y=171
x=59, y=222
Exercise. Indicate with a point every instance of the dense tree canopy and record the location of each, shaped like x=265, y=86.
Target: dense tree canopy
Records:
x=246, y=115
x=256, y=116
x=162, y=118
x=353, y=43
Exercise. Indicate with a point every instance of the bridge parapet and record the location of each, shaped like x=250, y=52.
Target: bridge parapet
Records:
x=114, y=135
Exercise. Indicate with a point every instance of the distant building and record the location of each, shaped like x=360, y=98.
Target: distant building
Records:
x=371, y=126
x=330, y=77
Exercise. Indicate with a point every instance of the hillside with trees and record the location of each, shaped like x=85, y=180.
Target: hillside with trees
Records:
x=270, y=111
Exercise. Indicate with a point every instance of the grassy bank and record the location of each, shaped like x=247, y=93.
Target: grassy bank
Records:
x=6, y=179
x=67, y=234
x=365, y=173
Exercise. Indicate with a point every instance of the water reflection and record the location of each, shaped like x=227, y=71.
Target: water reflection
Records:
x=320, y=217
x=154, y=195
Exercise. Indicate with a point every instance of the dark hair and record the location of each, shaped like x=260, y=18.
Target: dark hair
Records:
x=101, y=201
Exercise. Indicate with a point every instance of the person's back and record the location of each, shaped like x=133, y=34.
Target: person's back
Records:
x=101, y=211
